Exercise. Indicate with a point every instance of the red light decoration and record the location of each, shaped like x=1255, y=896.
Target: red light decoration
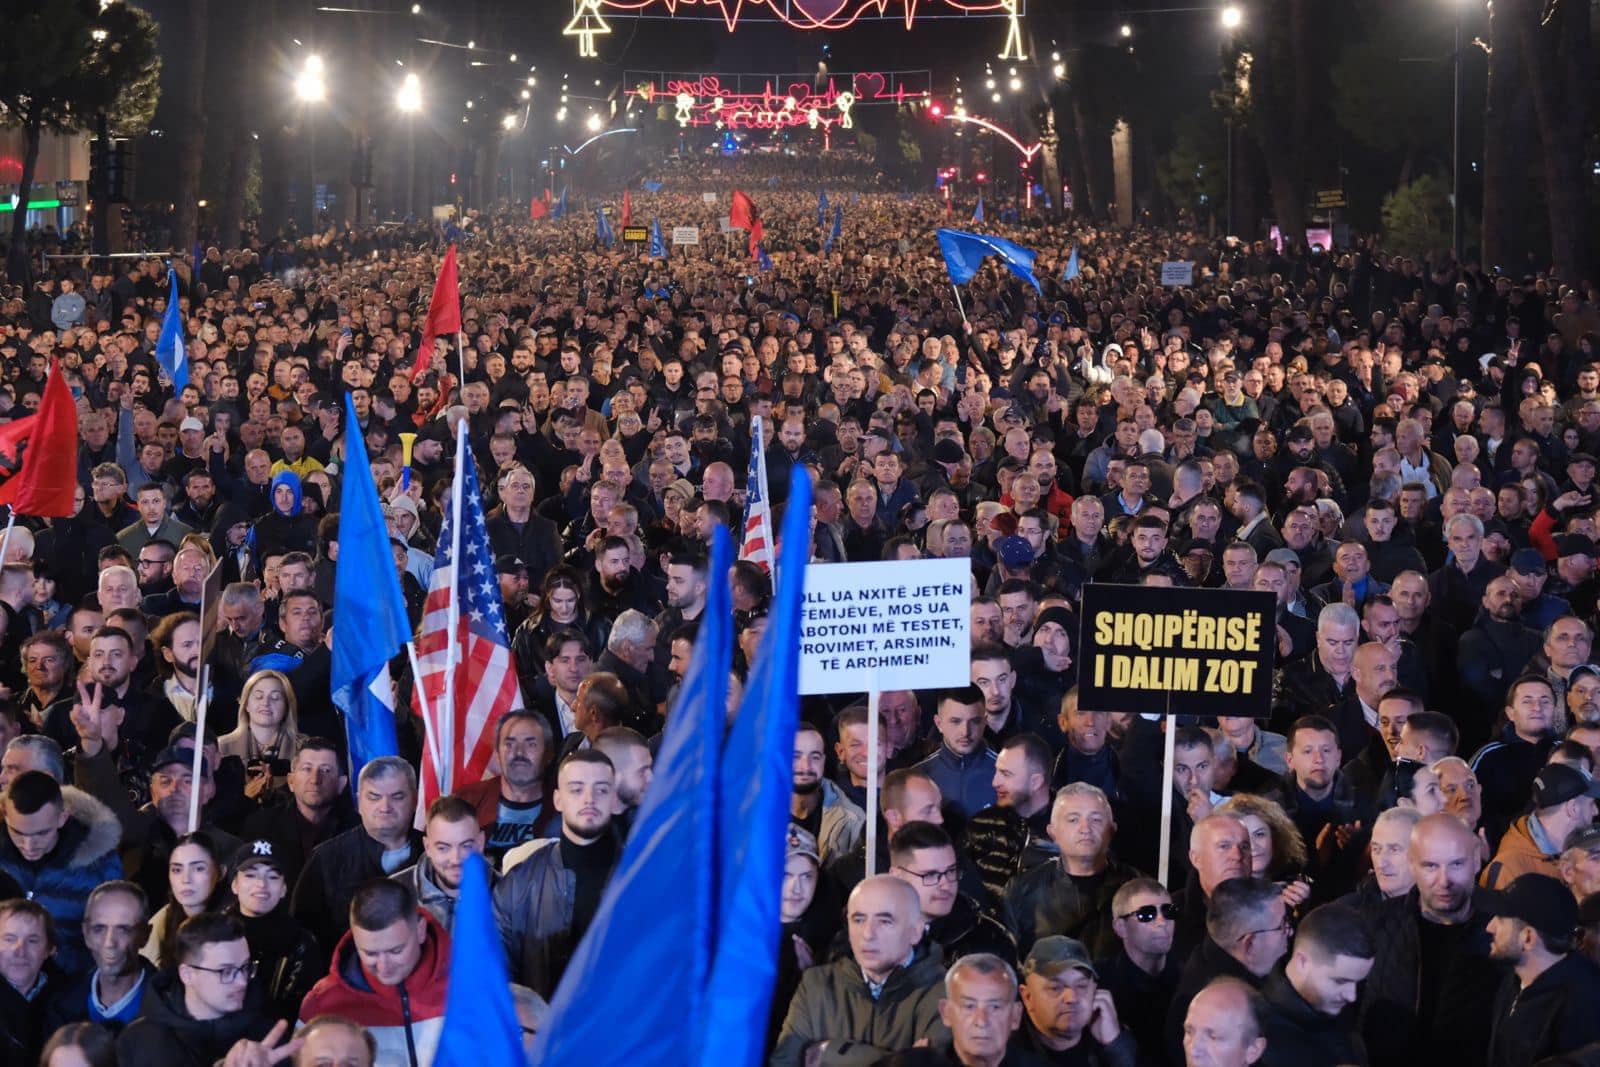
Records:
x=758, y=102
x=811, y=14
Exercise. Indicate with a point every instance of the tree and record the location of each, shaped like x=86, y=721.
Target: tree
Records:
x=192, y=134
x=1388, y=114
x=1193, y=175
x=1507, y=124
x=1416, y=218
x=1558, y=53
x=63, y=63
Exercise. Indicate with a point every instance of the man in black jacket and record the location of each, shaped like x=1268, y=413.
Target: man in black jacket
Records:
x=515, y=529
x=1545, y=1007
x=385, y=842
x=1010, y=836
x=1308, y=1024
x=922, y=855
x=1143, y=973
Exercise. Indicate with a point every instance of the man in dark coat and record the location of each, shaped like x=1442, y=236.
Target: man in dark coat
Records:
x=1545, y=1006
x=1310, y=994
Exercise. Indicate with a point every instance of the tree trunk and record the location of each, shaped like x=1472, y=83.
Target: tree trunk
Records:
x=1559, y=54
x=230, y=213
x=17, y=253
x=1506, y=118
x=1080, y=127
x=1283, y=93
x=192, y=137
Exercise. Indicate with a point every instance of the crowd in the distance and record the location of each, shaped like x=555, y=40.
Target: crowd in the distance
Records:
x=1397, y=867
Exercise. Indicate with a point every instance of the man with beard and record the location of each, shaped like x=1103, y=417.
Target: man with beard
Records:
x=922, y=855
x=1430, y=993
x=178, y=644
x=611, y=587
x=1506, y=766
x=1496, y=650
x=551, y=888
x=112, y=660
x=1143, y=973
x=1583, y=694
x=510, y=806
x=686, y=599
x=1563, y=805
x=1580, y=863
x=1012, y=834
x=450, y=834
x=189, y=568
x=116, y=922
x=1545, y=1006
x=313, y=807
x=1147, y=554
x=817, y=805
x=630, y=754
x=287, y=958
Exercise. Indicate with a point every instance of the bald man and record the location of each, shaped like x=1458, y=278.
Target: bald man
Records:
x=1223, y=1026
x=884, y=996
x=1219, y=849
x=1432, y=987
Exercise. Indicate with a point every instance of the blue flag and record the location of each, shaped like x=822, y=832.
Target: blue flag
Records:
x=169, y=347
x=763, y=261
x=822, y=208
x=637, y=985
x=753, y=793
x=977, y=214
x=1070, y=271
x=964, y=254
x=560, y=208
x=602, y=228
x=369, y=614
x=649, y=186
x=480, y=1018
x=658, y=247
x=838, y=226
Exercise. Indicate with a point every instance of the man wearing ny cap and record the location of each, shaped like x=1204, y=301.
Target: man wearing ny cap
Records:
x=1563, y=803
x=288, y=959
x=1546, y=1005
x=1067, y=1017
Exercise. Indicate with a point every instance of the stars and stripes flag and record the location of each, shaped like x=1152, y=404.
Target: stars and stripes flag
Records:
x=756, y=545
x=467, y=674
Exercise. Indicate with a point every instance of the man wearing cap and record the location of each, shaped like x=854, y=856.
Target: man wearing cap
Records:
x=1068, y=1018
x=1580, y=862
x=1309, y=992
x=513, y=578
x=882, y=998
x=1545, y=1006
x=1563, y=803
x=1574, y=580
x=1539, y=608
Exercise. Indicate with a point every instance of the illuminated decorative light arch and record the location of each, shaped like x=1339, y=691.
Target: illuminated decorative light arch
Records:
x=1028, y=151
x=608, y=133
x=811, y=14
x=773, y=102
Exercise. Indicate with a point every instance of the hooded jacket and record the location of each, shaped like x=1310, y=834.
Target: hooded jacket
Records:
x=84, y=856
x=406, y=1019
x=278, y=531
x=833, y=1004
x=1519, y=854
x=1298, y=1035
x=166, y=1035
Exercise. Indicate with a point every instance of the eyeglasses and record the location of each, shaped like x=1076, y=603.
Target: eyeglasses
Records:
x=949, y=874
x=1285, y=927
x=230, y=974
x=1148, y=913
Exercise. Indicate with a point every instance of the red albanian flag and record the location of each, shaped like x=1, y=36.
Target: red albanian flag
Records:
x=444, y=313
x=40, y=453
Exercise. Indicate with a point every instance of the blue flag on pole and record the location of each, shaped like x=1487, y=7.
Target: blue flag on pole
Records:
x=838, y=227
x=560, y=208
x=480, y=1018
x=763, y=261
x=658, y=246
x=369, y=614
x=602, y=228
x=964, y=253
x=651, y=187
x=649, y=1011
x=753, y=793
x=822, y=208
x=1070, y=271
x=169, y=347
x=977, y=214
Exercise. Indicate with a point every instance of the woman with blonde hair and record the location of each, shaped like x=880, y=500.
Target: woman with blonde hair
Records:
x=268, y=731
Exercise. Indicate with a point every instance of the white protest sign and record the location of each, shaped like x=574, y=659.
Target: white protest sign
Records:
x=885, y=626
x=725, y=224
x=710, y=198
x=686, y=235
x=1177, y=273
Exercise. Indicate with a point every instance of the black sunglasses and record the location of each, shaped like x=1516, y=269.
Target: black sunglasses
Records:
x=1148, y=913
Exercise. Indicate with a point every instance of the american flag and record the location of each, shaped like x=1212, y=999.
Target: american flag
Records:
x=485, y=678
x=756, y=545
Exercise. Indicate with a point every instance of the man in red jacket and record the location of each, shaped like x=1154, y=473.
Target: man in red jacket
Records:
x=389, y=974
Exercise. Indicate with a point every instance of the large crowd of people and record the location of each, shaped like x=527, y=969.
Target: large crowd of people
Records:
x=1399, y=866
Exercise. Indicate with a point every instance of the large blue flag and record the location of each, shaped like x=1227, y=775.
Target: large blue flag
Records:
x=169, y=347
x=650, y=186
x=838, y=226
x=480, y=1018
x=964, y=254
x=753, y=792
x=602, y=228
x=369, y=614
x=560, y=208
x=637, y=985
x=822, y=208
x=1070, y=271
x=977, y=214
x=658, y=246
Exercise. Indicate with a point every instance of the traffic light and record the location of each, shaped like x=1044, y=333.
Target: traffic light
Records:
x=111, y=166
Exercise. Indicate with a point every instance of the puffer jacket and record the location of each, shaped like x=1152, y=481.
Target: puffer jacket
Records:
x=1003, y=845
x=533, y=907
x=1046, y=901
x=833, y=1004
x=406, y=1019
x=85, y=855
x=166, y=1035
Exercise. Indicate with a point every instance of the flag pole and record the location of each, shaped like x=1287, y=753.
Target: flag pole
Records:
x=5, y=543
x=201, y=708
x=873, y=722
x=959, y=308
x=453, y=642
x=430, y=726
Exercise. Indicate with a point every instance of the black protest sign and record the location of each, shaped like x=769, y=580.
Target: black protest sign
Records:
x=1169, y=651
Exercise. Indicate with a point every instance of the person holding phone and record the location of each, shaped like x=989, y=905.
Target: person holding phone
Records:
x=268, y=732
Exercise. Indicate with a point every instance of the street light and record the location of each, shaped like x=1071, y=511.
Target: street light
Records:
x=1232, y=17
x=594, y=122
x=408, y=101
x=1127, y=30
x=310, y=88
x=409, y=97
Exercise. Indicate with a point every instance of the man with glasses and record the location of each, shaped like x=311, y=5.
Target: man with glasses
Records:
x=155, y=566
x=1247, y=933
x=1142, y=974
x=923, y=856
x=194, y=1021
x=515, y=529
